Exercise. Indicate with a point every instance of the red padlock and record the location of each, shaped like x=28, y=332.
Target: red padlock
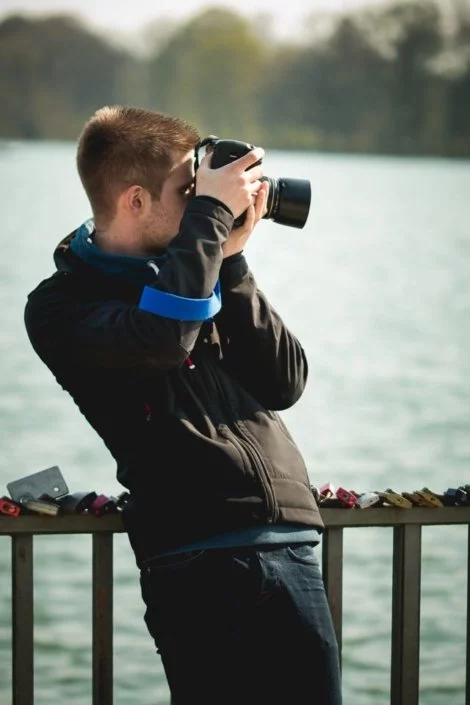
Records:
x=346, y=497
x=9, y=508
x=103, y=505
x=328, y=490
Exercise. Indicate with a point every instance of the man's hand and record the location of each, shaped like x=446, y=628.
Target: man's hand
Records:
x=232, y=183
x=239, y=236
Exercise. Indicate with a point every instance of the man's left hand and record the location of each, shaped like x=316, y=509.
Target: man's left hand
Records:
x=237, y=239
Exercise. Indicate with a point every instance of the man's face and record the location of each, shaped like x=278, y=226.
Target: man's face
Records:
x=166, y=213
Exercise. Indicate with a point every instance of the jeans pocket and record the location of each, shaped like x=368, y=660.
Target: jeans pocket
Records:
x=173, y=561
x=302, y=553
x=164, y=583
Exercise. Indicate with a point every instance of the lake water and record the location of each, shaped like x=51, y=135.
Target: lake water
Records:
x=377, y=287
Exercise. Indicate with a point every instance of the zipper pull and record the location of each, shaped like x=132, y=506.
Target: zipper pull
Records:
x=147, y=411
x=190, y=363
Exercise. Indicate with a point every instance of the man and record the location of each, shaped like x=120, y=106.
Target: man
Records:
x=155, y=325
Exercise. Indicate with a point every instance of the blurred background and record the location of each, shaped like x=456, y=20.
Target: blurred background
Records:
x=370, y=101
x=388, y=77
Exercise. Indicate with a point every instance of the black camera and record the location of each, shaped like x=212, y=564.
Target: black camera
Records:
x=288, y=199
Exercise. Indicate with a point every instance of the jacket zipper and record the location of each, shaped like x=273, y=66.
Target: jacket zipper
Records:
x=250, y=449
x=251, y=443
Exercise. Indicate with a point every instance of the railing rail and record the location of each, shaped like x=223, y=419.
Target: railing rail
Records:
x=406, y=523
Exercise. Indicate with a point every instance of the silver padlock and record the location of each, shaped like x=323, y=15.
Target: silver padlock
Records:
x=368, y=499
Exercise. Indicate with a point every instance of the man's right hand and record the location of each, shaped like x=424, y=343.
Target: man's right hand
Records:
x=232, y=183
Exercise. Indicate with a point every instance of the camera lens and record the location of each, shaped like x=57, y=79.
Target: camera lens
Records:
x=288, y=201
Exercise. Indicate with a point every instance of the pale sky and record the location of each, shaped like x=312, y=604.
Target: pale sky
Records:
x=130, y=15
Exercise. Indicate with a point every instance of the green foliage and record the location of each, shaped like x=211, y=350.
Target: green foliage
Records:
x=53, y=75
x=209, y=72
x=376, y=84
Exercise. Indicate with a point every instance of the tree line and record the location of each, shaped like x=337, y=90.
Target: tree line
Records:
x=391, y=80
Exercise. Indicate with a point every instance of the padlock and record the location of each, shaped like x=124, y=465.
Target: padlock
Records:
x=413, y=498
x=421, y=501
x=46, y=483
x=347, y=498
x=368, y=499
x=328, y=490
x=429, y=498
x=466, y=489
x=40, y=506
x=316, y=493
x=395, y=499
x=9, y=508
x=332, y=502
x=121, y=500
x=76, y=503
x=103, y=505
x=454, y=496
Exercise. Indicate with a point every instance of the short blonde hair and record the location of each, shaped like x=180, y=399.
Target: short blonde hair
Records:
x=121, y=146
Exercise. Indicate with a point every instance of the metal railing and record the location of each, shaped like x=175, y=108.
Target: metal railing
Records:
x=406, y=590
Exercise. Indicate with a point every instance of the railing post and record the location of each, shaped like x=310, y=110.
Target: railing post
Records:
x=22, y=620
x=332, y=571
x=103, y=619
x=406, y=614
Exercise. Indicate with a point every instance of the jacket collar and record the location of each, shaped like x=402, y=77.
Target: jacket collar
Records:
x=78, y=252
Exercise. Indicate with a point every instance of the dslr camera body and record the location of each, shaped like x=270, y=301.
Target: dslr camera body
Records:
x=288, y=200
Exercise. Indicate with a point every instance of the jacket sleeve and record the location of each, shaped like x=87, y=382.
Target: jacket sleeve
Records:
x=109, y=333
x=257, y=348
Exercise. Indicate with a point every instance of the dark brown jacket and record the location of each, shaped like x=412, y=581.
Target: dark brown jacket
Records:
x=202, y=450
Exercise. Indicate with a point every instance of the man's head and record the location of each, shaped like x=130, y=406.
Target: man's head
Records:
x=136, y=167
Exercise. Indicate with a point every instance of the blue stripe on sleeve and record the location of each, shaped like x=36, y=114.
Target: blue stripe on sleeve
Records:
x=178, y=307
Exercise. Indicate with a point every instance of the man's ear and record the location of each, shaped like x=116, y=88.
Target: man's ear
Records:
x=136, y=200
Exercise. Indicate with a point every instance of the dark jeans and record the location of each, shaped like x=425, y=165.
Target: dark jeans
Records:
x=243, y=626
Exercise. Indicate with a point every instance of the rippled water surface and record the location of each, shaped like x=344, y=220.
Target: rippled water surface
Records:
x=377, y=288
